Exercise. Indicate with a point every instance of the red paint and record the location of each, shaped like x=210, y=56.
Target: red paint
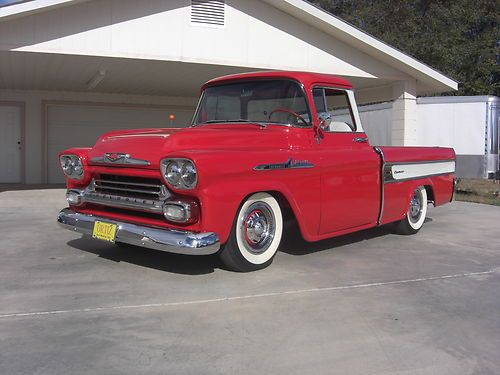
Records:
x=340, y=194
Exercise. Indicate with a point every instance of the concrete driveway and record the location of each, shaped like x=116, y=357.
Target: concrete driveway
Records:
x=368, y=303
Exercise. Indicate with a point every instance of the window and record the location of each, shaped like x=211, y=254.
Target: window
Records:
x=334, y=110
x=262, y=101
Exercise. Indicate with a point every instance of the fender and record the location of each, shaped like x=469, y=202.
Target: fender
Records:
x=220, y=206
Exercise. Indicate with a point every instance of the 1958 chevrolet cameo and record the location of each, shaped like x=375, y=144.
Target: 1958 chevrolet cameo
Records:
x=262, y=148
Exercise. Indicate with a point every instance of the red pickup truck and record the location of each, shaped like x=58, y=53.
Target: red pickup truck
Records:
x=262, y=148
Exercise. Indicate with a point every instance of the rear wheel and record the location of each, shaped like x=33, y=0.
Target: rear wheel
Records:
x=415, y=216
x=255, y=236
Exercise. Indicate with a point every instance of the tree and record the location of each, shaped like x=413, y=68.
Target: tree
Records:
x=458, y=37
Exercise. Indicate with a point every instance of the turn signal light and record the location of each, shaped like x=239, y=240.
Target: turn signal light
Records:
x=181, y=211
x=74, y=197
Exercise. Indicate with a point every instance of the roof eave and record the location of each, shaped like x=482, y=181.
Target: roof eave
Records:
x=30, y=7
x=366, y=42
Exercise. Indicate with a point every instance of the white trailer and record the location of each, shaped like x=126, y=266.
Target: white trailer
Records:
x=469, y=124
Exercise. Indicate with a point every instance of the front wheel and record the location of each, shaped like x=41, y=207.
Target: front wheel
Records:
x=255, y=236
x=415, y=216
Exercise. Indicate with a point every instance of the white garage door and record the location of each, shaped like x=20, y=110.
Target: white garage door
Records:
x=81, y=125
x=10, y=144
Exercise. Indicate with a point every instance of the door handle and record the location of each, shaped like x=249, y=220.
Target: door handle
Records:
x=360, y=139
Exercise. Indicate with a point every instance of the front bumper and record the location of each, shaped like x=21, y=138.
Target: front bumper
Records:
x=169, y=240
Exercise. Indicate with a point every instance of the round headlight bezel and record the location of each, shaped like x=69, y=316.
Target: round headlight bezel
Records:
x=189, y=174
x=179, y=173
x=173, y=173
x=72, y=166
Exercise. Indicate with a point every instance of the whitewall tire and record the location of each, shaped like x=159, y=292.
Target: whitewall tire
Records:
x=417, y=211
x=256, y=234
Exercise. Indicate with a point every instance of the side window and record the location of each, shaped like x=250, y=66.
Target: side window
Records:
x=338, y=115
x=319, y=100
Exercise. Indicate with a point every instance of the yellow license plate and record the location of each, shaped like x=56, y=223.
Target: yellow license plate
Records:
x=104, y=231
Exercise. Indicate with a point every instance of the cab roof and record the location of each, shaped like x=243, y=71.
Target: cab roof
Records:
x=306, y=78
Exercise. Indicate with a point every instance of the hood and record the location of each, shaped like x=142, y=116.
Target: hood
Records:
x=152, y=145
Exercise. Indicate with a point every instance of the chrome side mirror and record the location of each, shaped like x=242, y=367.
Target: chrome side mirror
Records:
x=325, y=119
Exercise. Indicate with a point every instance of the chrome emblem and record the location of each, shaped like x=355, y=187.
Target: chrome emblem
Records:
x=115, y=156
x=118, y=158
x=289, y=164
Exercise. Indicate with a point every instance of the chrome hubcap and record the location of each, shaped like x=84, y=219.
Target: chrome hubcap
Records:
x=258, y=227
x=416, y=206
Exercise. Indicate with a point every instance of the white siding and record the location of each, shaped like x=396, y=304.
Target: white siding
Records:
x=255, y=35
x=377, y=123
x=457, y=125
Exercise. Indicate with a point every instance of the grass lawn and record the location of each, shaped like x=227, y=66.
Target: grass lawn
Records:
x=478, y=191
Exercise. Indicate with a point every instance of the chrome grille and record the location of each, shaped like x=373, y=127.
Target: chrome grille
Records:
x=139, y=193
x=136, y=187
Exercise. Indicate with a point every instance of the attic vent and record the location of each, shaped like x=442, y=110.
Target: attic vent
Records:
x=208, y=12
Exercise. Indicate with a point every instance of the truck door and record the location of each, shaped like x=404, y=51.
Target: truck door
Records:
x=350, y=168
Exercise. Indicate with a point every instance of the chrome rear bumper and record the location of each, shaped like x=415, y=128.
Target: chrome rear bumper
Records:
x=172, y=241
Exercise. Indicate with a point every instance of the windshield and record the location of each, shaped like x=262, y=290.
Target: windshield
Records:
x=260, y=101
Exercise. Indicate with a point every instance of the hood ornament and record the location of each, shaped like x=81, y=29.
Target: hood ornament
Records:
x=118, y=158
x=115, y=156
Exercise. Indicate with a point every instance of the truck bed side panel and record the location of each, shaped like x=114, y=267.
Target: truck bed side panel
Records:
x=406, y=168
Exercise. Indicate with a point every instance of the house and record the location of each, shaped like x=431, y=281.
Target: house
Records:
x=72, y=70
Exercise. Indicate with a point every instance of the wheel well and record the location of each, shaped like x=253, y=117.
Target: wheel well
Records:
x=286, y=209
x=291, y=224
x=430, y=194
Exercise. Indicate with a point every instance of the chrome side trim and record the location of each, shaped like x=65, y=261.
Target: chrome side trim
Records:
x=169, y=240
x=411, y=171
x=417, y=178
x=379, y=151
x=289, y=164
x=360, y=139
x=422, y=162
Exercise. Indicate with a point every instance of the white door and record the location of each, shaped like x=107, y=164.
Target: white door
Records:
x=10, y=144
x=81, y=125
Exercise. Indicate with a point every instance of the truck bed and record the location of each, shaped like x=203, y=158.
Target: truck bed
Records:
x=405, y=168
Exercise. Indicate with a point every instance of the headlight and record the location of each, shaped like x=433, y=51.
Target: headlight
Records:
x=173, y=173
x=72, y=166
x=179, y=173
x=188, y=174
